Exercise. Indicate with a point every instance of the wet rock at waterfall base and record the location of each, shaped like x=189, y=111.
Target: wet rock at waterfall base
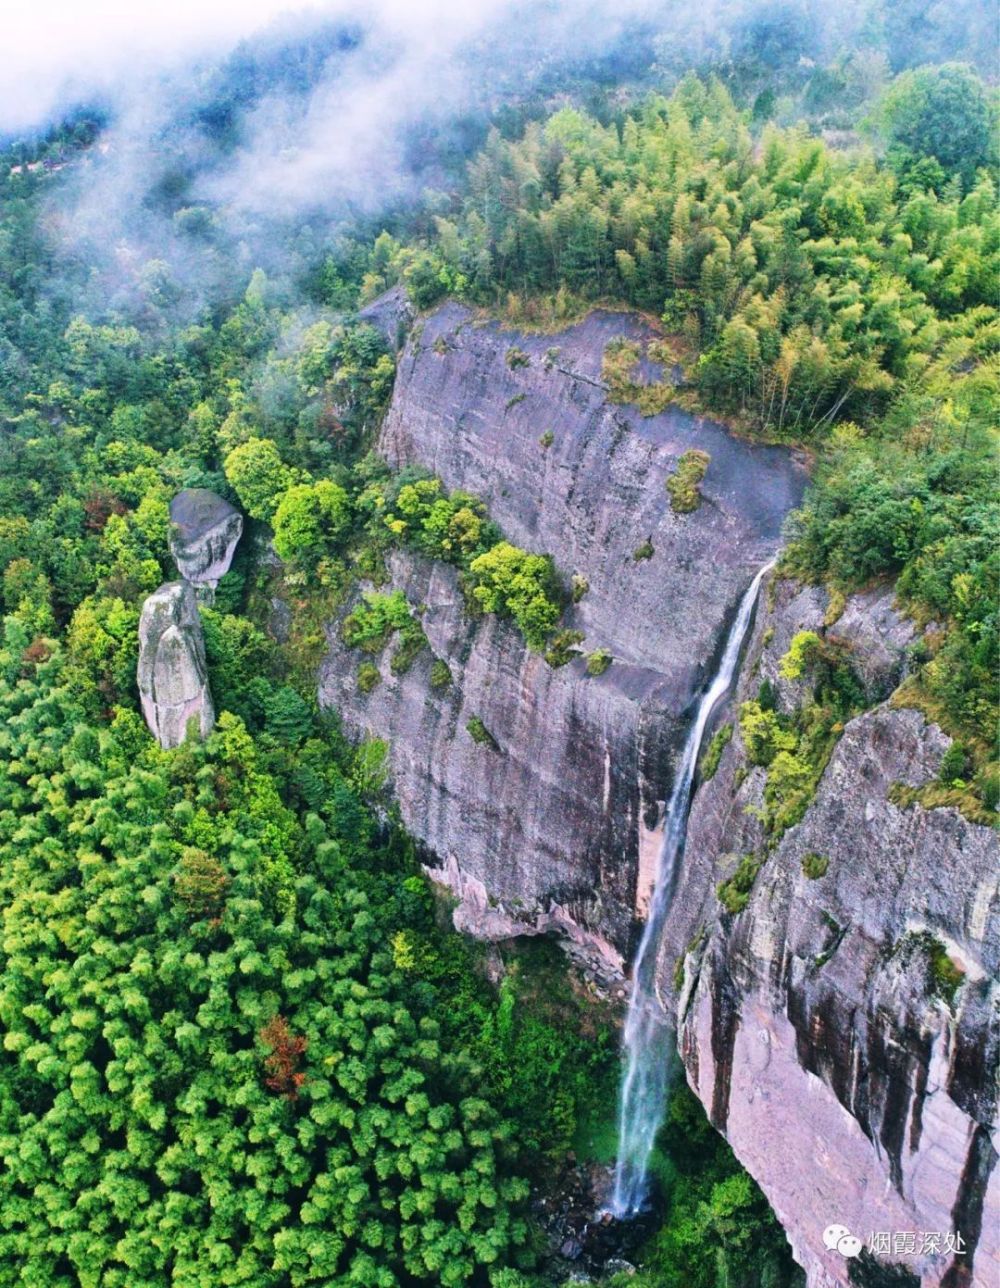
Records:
x=172, y=674
x=584, y=1240
x=204, y=532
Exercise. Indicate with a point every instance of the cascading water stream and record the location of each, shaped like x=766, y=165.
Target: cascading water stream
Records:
x=647, y=1039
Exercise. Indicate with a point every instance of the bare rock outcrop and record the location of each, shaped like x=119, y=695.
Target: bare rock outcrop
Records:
x=172, y=674
x=204, y=532
x=849, y=1080
x=391, y=315
x=821, y=1027
x=556, y=825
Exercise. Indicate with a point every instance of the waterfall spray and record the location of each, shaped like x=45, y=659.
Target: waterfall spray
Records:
x=648, y=1030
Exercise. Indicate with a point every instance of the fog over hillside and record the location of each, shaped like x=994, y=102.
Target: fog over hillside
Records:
x=253, y=113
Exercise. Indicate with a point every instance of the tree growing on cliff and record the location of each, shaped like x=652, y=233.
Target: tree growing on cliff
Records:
x=259, y=476
x=519, y=585
x=311, y=521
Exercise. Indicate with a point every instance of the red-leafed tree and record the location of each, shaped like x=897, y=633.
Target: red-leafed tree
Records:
x=286, y=1049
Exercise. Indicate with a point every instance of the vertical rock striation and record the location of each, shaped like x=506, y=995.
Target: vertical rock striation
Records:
x=173, y=676
x=558, y=826
x=848, y=1081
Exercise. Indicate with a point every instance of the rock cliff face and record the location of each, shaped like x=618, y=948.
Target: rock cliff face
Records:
x=814, y=1026
x=173, y=677
x=556, y=825
x=854, y=1089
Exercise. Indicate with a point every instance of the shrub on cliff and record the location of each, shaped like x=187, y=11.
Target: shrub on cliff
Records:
x=682, y=485
x=513, y=583
x=734, y=893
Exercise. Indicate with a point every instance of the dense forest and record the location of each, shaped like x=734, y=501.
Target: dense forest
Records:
x=241, y=1042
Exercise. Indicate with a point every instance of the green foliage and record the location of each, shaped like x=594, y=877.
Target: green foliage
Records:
x=562, y=647
x=287, y=715
x=621, y=357
x=310, y=522
x=200, y=883
x=376, y=618
x=810, y=281
x=645, y=551
x=734, y=892
x=791, y=783
x=479, y=734
x=513, y=583
x=580, y=585
x=620, y=370
x=234, y=1058
x=795, y=748
x=240, y=660
x=547, y=439
x=815, y=865
x=763, y=734
x=719, y=741
x=932, y=521
x=976, y=801
x=500, y=577
x=361, y=375
x=804, y=649
x=954, y=764
x=682, y=485
x=942, y=112
x=440, y=674
x=452, y=527
x=946, y=976
x=517, y=358
x=767, y=694
x=717, y=1229
x=369, y=677
x=598, y=661
x=258, y=476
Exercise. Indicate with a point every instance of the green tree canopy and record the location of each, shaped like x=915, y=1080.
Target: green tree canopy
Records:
x=259, y=476
x=310, y=522
x=944, y=112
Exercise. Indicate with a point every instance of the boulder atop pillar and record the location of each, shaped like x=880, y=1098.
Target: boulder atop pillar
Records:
x=204, y=531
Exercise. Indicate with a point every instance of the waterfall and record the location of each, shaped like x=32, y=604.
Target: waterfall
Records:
x=647, y=1045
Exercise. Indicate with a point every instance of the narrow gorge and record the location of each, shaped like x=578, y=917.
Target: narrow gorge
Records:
x=802, y=1002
